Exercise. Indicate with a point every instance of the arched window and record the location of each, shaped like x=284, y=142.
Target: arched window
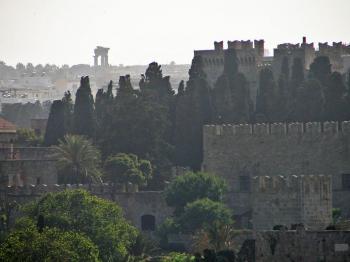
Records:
x=148, y=223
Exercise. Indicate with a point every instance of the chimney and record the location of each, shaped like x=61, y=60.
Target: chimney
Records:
x=304, y=40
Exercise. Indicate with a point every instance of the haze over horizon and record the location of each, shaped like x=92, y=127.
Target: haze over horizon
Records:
x=139, y=32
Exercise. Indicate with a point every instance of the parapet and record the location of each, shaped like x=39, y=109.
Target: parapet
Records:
x=279, y=129
x=218, y=46
x=293, y=183
x=96, y=189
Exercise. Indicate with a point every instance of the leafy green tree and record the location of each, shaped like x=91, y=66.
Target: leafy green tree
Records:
x=77, y=211
x=178, y=257
x=27, y=137
x=193, y=186
x=84, y=115
x=123, y=168
x=50, y=245
x=78, y=160
x=204, y=213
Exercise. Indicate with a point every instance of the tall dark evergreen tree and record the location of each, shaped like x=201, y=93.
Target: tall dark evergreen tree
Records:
x=193, y=110
x=55, y=128
x=68, y=111
x=335, y=98
x=231, y=97
x=266, y=103
x=281, y=97
x=320, y=69
x=84, y=115
x=297, y=77
x=309, y=102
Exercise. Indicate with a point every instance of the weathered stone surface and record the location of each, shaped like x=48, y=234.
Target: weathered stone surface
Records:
x=296, y=149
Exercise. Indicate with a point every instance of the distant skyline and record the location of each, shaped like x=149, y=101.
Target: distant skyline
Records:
x=139, y=32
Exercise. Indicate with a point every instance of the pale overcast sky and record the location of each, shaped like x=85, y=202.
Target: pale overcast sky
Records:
x=138, y=32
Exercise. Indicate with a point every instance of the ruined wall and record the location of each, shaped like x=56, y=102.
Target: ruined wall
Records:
x=291, y=200
x=134, y=204
x=301, y=245
x=236, y=151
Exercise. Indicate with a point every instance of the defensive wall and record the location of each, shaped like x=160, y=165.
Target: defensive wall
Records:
x=300, y=245
x=27, y=165
x=144, y=209
x=291, y=200
x=240, y=152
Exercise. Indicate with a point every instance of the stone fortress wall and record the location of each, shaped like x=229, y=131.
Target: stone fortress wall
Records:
x=280, y=200
x=249, y=59
x=301, y=245
x=27, y=165
x=239, y=152
x=144, y=209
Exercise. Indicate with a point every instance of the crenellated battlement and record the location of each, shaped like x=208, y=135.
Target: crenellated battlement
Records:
x=96, y=189
x=283, y=184
x=279, y=128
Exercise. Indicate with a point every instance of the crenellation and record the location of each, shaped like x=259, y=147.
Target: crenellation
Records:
x=278, y=128
x=295, y=128
x=330, y=127
x=278, y=200
x=243, y=129
x=313, y=128
x=261, y=129
x=345, y=127
x=266, y=129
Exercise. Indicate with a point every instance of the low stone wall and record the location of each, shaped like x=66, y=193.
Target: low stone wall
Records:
x=301, y=245
x=136, y=205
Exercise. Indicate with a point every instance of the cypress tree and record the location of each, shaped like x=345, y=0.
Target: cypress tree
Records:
x=193, y=110
x=55, y=128
x=231, y=97
x=320, y=69
x=297, y=77
x=84, y=120
x=266, y=103
x=334, y=94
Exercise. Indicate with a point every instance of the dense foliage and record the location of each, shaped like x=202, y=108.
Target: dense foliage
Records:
x=124, y=168
x=28, y=244
x=165, y=128
x=78, y=161
x=77, y=211
x=193, y=186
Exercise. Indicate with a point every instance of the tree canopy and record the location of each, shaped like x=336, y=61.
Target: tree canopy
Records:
x=193, y=186
x=78, y=211
x=123, y=168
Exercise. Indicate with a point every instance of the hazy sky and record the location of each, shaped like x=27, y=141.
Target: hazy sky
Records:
x=138, y=32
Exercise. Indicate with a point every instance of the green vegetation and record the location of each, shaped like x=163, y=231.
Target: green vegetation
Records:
x=52, y=244
x=76, y=211
x=193, y=186
x=124, y=168
x=78, y=160
x=197, y=198
x=27, y=137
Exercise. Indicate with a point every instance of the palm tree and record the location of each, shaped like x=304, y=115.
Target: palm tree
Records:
x=78, y=161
